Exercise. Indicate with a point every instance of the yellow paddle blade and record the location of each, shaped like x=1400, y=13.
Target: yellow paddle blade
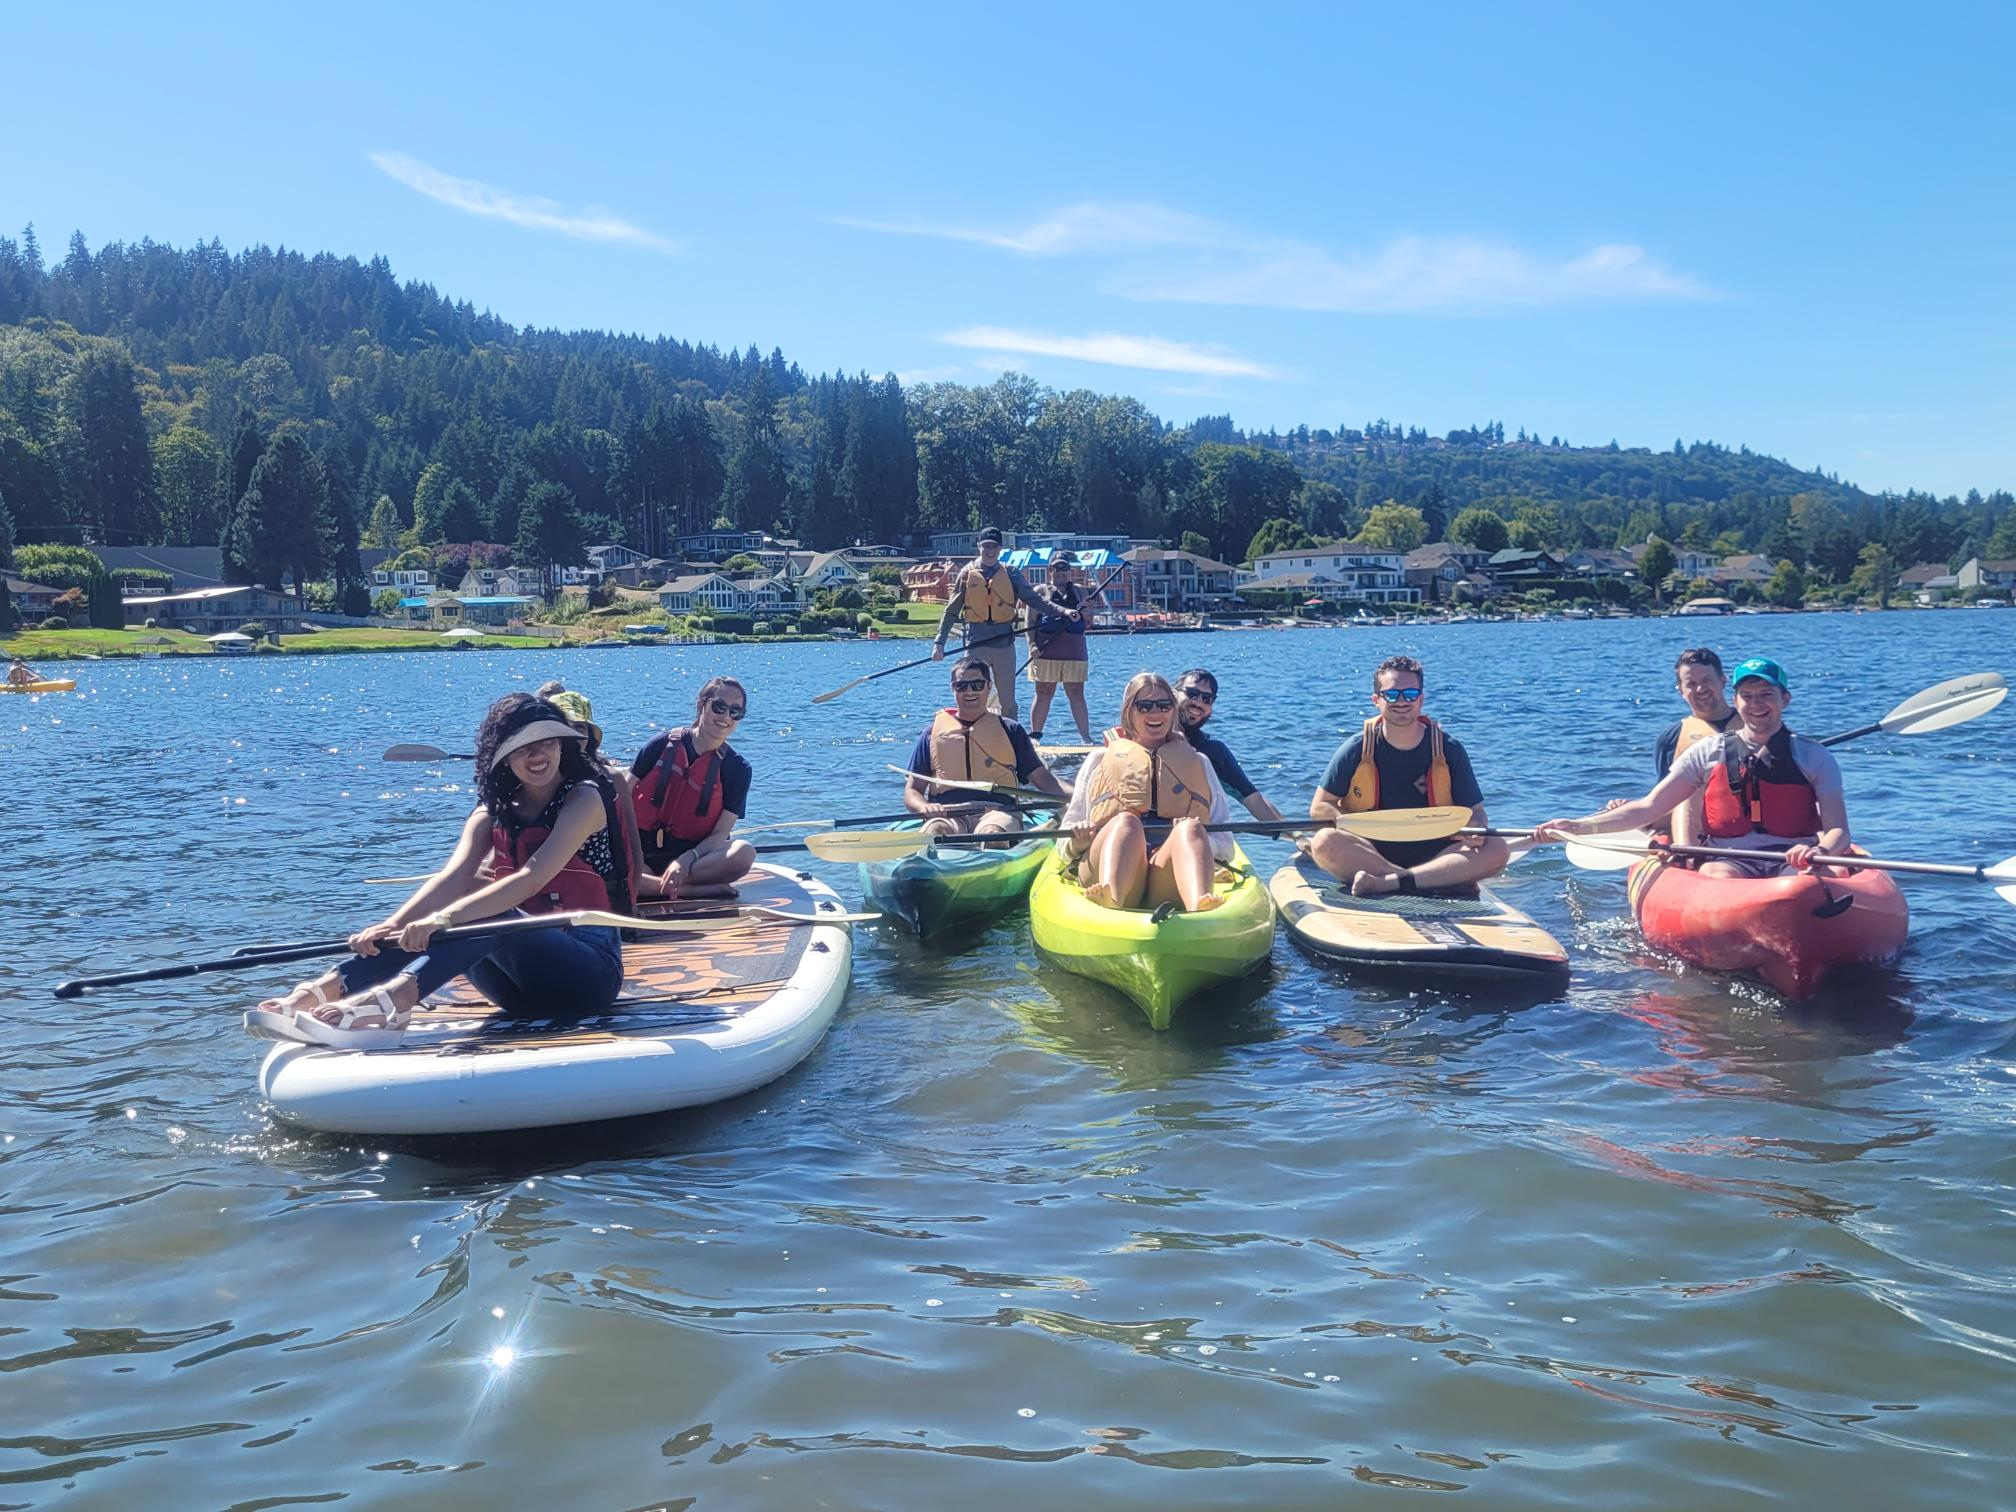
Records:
x=1405, y=824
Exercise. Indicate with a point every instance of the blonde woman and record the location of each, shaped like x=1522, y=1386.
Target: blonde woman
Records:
x=1138, y=811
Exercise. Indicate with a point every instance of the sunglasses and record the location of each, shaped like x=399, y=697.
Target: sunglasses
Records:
x=1154, y=705
x=723, y=707
x=969, y=684
x=1399, y=695
x=1202, y=695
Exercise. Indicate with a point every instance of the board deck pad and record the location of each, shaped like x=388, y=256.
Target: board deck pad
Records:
x=1480, y=935
x=669, y=981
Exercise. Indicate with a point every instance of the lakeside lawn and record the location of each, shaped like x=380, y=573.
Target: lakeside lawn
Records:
x=58, y=645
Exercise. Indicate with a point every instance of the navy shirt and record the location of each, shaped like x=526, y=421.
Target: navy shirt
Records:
x=1669, y=745
x=1026, y=762
x=1231, y=776
x=1403, y=783
x=735, y=770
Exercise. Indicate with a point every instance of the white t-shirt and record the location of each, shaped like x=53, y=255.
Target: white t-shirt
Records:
x=1815, y=762
x=1079, y=810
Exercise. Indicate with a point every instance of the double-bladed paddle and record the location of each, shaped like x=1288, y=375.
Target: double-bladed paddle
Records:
x=1938, y=708
x=425, y=753
x=735, y=917
x=1035, y=797
x=1377, y=824
x=1615, y=852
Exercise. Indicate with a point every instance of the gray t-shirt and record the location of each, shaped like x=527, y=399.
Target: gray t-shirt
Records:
x=1815, y=762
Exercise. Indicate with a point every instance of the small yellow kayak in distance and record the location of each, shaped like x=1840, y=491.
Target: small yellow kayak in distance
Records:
x=47, y=685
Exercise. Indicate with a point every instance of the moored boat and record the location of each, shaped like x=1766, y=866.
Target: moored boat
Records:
x=1160, y=966
x=1793, y=931
x=701, y=1018
x=950, y=887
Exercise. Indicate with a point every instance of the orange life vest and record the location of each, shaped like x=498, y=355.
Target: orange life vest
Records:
x=1363, y=794
x=1171, y=782
x=577, y=885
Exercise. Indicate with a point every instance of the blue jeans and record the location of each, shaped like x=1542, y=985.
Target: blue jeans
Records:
x=547, y=973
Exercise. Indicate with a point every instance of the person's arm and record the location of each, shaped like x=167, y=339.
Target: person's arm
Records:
x=1818, y=765
x=580, y=816
x=1675, y=789
x=1077, y=819
x=457, y=878
x=955, y=608
x=1029, y=768
x=736, y=775
x=633, y=845
x=1023, y=591
x=1329, y=800
x=920, y=798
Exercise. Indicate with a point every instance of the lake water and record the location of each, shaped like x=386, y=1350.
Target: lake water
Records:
x=1660, y=1242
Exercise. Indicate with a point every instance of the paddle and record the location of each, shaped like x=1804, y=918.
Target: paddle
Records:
x=1379, y=824
x=1058, y=753
x=586, y=918
x=756, y=829
x=1615, y=852
x=1035, y=797
x=425, y=753
x=1097, y=589
x=849, y=687
x=1938, y=708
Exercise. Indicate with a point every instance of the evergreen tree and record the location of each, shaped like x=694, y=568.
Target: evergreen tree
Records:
x=6, y=534
x=549, y=532
x=383, y=529
x=247, y=447
x=338, y=529
x=755, y=487
x=277, y=528
x=1656, y=566
x=111, y=469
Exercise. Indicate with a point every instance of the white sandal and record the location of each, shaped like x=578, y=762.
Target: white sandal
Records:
x=269, y=1021
x=345, y=1034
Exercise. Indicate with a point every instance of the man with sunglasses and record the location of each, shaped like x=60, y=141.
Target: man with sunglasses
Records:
x=1196, y=700
x=987, y=595
x=1402, y=759
x=967, y=743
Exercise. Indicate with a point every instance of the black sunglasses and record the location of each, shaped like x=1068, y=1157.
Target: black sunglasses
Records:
x=968, y=684
x=1154, y=705
x=722, y=706
x=1202, y=695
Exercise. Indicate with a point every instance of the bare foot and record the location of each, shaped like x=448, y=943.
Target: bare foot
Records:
x=1208, y=902
x=1100, y=893
x=1374, y=884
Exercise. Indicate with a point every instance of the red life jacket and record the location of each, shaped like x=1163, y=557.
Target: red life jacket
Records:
x=1760, y=791
x=577, y=885
x=681, y=797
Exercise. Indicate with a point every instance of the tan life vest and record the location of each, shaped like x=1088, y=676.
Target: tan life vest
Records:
x=989, y=601
x=979, y=752
x=1364, y=792
x=1688, y=822
x=1171, y=782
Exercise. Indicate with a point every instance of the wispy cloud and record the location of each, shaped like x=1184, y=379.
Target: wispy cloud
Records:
x=486, y=200
x=1114, y=349
x=1172, y=256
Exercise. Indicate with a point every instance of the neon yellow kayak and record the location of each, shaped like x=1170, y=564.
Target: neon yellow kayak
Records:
x=1161, y=965
x=47, y=685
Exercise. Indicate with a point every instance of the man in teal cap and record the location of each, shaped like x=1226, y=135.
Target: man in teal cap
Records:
x=1761, y=786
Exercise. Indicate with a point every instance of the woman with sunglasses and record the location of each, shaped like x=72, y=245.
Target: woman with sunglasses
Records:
x=540, y=840
x=1401, y=759
x=1138, y=811
x=1057, y=651
x=692, y=788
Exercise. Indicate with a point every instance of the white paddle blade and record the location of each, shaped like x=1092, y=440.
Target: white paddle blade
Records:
x=1949, y=704
x=1613, y=852
x=1057, y=753
x=1405, y=824
x=868, y=845
x=2003, y=873
x=416, y=753
x=843, y=688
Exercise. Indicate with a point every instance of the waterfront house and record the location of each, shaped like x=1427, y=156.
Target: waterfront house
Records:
x=1340, y=570
x=187, y=566
x=1975, y=575
x=1595, y=562
x=206, y=611
x=495, y=609
x=715, y=592
x=717, y=545
x=1436, y=571
x=31, y=601
x=1183, y=581
x=1927, y=582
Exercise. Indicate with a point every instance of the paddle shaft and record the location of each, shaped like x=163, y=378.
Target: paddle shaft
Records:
x=1866, y=863
x=1097, y=589
x=870, y=677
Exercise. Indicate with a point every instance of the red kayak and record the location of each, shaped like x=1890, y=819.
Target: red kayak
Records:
x=1782, y=928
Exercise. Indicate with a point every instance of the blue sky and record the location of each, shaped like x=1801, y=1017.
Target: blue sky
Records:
x=1786, y=226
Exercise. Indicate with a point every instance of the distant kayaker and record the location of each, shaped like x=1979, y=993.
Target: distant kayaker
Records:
x=987, y=595
x=692, y=788
x=1138, y=810
x=1196, y=701
x=581, y=714
x=1402, y=759
x=967, y=743
x=1761, y=786
x=542, y=822
x=21, y=675
x=1057, y=652
x=1702, y=683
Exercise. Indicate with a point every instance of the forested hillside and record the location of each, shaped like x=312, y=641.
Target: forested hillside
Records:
x=290, y=404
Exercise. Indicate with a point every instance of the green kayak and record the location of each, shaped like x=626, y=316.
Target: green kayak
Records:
x=1161, y=965
x=952, y=887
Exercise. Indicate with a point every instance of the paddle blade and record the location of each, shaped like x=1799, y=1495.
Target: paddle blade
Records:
x=420, y=753
x=1405, y=824
x=1613, y=852
x=2003, y=874
x=843, y=688
x=868, y=845
x=1949, y=704
x=1058, y=753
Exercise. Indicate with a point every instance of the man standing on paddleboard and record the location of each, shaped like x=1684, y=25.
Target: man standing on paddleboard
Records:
x=1762, y=787
x=986, y=595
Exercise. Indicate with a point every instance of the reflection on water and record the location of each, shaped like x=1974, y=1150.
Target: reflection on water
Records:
x=997, y=1240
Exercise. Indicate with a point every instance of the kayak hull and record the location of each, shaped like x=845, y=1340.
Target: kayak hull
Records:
x=46, y=685
x=1479, y=938
x=1770, y=926
x=1159, y=966
x=701, y=1018
x=945, y=890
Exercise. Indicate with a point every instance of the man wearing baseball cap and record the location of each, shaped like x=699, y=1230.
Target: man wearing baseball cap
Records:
x=1762, y=787
x=987, y=595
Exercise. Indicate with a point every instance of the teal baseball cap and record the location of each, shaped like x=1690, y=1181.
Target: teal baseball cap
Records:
x=1759, y=666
